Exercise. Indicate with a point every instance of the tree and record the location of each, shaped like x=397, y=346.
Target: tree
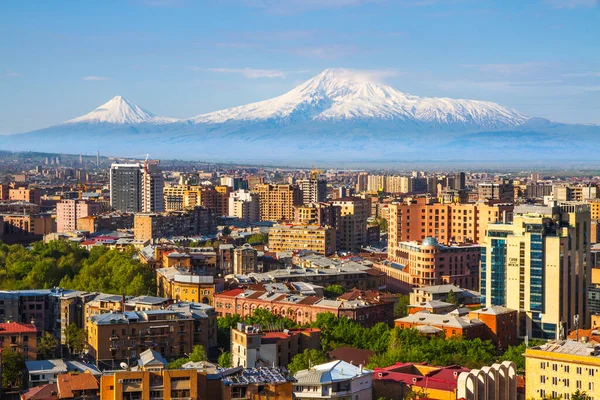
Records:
x=516, y=354
x=224, y=359
x=579, y=395
x=198, y=353
x=258, y=238
x=13, y=365
x=333, y=291
x=46, y=348
x=401, y=307
x=226, y=231
x=75, y=338
x=306, y=359
x=224, y=325
x=451, y=298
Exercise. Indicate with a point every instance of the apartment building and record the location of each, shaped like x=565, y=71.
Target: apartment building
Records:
x=20, y=338
x=245, y=260
x=429, y=263
x=501, y=190
x=121, y=337
x=182, y=285
x=559, y=368
x=333, y=380
x=193, y=222
x=25, y=194
x=352, y=228
x=277, y=202
x=421, y=217
x=244, y=205
x=302, y=237
x=69, y=211
x=252, y=347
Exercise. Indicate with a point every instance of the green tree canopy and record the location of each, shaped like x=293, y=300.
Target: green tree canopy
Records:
x=13, y=365
x=516, y=354
x=224, y=359
x=333, y=291
x=401, y=307
x=198, y=354
x=46, y=348
x=306, y=359
x=258, y=238
x=75, y=338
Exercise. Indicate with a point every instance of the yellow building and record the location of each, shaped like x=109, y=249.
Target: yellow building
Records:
x=354, y=213
x=302, y=237
x=560, y=368
x=277, y=201
x=150, y=381
x=537, y=265
x=179, y=284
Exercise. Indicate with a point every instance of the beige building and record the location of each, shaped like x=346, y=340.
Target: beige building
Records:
x=24, y=194
x=376, y=183
x=277, y=201
x=560, y=368
x=352, y=227
x=302, y=237
x=539, y=266
x=192, y=222
x=502, y=190
x=244, y=260
x=181, y=285
x=251, y=347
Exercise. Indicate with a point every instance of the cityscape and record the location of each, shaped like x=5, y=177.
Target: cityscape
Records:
x=387, y=200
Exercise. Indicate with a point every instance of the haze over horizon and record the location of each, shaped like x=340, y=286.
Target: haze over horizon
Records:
x=180, y=58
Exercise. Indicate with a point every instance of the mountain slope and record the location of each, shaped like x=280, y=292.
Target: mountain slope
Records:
x=338, y=117
x=341, y=94
x=119, y=110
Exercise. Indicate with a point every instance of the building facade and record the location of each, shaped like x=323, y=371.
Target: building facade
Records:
x=69, y=211
x=277, y=202
x=543, y=257
x=302, y=237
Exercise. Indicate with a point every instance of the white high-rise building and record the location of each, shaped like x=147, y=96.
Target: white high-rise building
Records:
x=313, y=190
x=244, y=205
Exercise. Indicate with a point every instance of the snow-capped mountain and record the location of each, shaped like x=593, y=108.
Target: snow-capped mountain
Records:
x=339, y=116
x=343, y=94
x=119, y=110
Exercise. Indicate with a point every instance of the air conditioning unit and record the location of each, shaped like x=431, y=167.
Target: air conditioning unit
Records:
x=121, y=381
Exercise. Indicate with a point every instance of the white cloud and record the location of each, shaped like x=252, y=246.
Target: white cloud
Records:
x=250, y=73
x=13, y=74
x=95, y=78
x=582, y=74
x=573, y=3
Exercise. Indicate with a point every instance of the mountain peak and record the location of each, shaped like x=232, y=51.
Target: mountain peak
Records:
x=345, y=94
x=119, y=110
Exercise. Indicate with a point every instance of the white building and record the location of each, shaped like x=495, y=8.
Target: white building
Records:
x=336, y=379
x=244, y=205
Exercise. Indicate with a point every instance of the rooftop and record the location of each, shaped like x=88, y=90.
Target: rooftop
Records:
x=16, y=327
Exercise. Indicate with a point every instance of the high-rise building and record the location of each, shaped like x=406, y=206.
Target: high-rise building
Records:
x=313, y=190
x=539, y=265
x=398, y=184
x=68, y=211
x=153, y=184
x=137, y=187
x=126, y=187
x=376, y=183
x=422, y=217
x=244, y=205
x=277, y=201
x=502, y=190
x=460, y=181
x=354, y=213
x=362, y=182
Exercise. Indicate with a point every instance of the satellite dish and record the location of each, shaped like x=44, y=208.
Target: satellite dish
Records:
x=124, y=365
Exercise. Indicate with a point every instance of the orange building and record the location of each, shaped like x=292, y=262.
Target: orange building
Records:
x=501, y=323
x=429, y=263
x=24, y=194
x=20, y=338
x=422, y=217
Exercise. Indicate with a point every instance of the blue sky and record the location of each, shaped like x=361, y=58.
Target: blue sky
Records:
x=180, y=58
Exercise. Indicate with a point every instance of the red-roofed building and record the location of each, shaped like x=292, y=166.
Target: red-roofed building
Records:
x=19, y=337
x=443, y=383
x=252, y=347
x=43, y=392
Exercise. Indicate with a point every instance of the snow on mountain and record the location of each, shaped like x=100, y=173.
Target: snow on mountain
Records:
x=344, y=94
x=119, y=110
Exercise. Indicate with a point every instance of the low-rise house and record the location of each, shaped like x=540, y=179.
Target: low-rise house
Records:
x=41, y=372
x=336, y=379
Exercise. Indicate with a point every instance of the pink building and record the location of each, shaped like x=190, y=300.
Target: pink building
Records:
x=68, y=211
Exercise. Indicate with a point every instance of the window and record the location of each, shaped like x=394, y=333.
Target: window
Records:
x=542, y=378
x=578, y=370
x=591, y=372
